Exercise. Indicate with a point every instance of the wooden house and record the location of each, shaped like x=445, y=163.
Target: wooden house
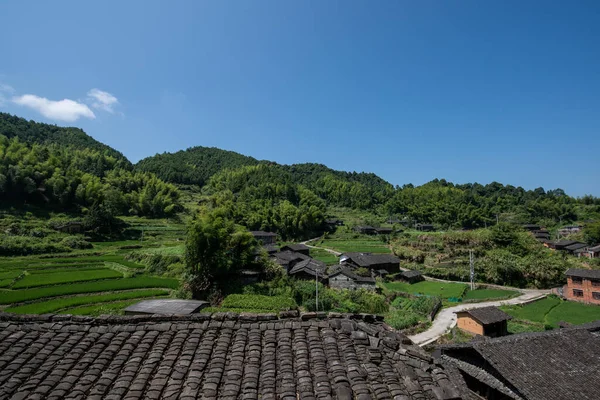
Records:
x=342, y=277
x=411, y=276
x=264, y=237
x=287, y=259
x=298, y=248
x=486, y=321
x=309, y=269
x=371, y=261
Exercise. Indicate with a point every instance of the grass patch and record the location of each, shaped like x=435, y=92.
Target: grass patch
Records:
x=535, y=311
x=6, y=282
x=355, y=245
x=325, y=256
x=428, y=288
x=115, y=308
x=10, y=275
x=237, y=310
x=54, y=278
x=259, y=302
x=573, y=312
x=485, y=294
x=140, y=282
x=50, y=306
x=519, y=326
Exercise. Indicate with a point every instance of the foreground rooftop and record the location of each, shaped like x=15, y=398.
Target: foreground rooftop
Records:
x=216, y=356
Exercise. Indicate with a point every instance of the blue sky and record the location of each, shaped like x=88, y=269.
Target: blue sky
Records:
x=469, y=90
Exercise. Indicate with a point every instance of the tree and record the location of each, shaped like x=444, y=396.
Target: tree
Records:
x=216, y=251
x=592, y=233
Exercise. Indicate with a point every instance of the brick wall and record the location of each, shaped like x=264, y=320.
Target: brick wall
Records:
x=468, y=324
x=586, y=287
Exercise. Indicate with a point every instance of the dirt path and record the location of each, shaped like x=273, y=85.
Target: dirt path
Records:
x=335, y=253
x=446, y=318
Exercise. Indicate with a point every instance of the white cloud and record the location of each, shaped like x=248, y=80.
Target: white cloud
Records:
x=62, y=110
x=102, y=100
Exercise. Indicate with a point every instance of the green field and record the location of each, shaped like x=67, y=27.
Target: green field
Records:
x=325, y=256
x=362, y=245
x=140, y=282
x=115, y=307
x=54, y=278
x=44, y=307
x=441, y=289
x=488, y=294
x=552, y=310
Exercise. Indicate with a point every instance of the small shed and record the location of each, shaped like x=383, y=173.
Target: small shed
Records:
x=298, y=248
x=486, y=321
x=344, y=278
x=411, y=276
x=166, y=307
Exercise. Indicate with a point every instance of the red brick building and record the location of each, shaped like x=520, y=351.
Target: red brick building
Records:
x=583, y=285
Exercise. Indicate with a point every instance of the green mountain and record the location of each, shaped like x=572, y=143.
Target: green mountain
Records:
x=193, y=166
x=35, y=132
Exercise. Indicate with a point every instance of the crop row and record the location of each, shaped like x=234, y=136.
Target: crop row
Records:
x=259, y=302
x=55, y=278
x=139, y=282
x=53, y=305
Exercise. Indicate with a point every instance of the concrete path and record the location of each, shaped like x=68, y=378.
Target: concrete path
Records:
x=446, y=318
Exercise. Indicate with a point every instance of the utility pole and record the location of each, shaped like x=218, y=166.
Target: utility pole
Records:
x=472, y=264
x=316, y=290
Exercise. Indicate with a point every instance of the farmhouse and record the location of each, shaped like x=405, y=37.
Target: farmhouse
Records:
x=309, y=269
x=575, y=246
x=542, y=235
x=556, y=364
x=344, y=278
x=366, y=230
x=298, y=248
x=332, y=223
x=531, y=227
x=166, y=307
x=287, y=259
x=270, y=248
x=71, y=227
x=372, y=261
x=411, y=276
x=486, y=321
x=264, y=237
x=583, y=285
x=384, y=231
x=219, y=356
x=590, y=252
x=425, y=227
x=567, y=230
x=560, y=244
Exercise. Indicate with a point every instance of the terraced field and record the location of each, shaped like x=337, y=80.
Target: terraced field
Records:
x=91, y=282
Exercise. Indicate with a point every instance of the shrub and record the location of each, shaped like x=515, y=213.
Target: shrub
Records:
x=254, y=301
x=75, y=242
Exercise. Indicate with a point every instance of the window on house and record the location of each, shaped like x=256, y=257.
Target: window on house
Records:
x=576, y=280
x=596, y=295
x=577, y=293
x=595, y=283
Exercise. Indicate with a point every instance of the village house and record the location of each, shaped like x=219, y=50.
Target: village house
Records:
x=344, y=278
x=567, y=230
x=556, y=364
x=371, y=261
x=571, y=249
x=486, y=321
x=71, y=227
x=384, y=231
x=583, y=285
x=425, y=227
x=542, y=235
x=287, y=259
x=589, y=252
x=271, y=248
x=560, y=244
x=334, y=222
x=411, y=276
x=264, y=237
x=309, y=269
x=365, y=230
x=531, y=227
x=298, y=248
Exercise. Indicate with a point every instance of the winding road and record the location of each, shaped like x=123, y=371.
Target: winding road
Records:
x=446, y=318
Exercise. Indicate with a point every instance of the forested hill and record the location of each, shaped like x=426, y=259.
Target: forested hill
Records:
x=38, y=133
x=193, y=166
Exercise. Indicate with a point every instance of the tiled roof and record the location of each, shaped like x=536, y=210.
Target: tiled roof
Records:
x=350, y=274
x=368, y=259
x=595, y=248
x=219, y=356
x=296, y=247
x=411, y=274
x=557, y=364
x=310, y=266
x=576, y=246
x=284, y=257
x=487, y=315
x=583, y=273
